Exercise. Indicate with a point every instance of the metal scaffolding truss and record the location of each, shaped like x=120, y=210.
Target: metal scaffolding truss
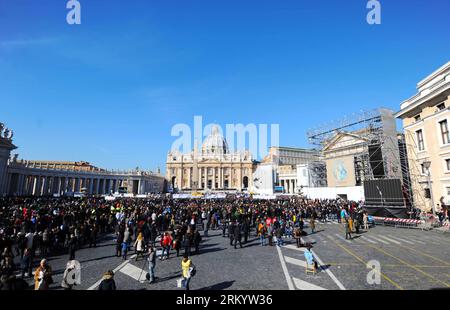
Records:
x=370, y=120
x=415, y=171
x=368, y=125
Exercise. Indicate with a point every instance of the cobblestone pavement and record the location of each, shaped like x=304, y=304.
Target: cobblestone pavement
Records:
x=408, y=259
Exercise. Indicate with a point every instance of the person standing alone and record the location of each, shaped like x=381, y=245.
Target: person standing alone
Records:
x=151, y=264
x=187, y=268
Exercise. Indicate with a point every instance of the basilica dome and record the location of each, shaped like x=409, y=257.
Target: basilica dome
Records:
x=215, y=143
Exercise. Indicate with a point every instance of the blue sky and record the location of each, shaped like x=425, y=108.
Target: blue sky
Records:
x=108, y=91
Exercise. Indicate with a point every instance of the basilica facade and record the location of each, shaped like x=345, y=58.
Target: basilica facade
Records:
x=213, y=167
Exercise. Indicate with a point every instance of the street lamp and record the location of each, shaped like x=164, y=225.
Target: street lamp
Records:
x=427, y=165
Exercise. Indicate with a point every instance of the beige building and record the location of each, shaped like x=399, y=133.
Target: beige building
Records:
x=47, y=178
x=426, y=118
x=214, y=167
x=363, y=149
x=340, y=155
x=286, y=160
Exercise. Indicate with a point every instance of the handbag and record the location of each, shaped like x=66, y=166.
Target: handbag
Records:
x=180, y=282
x=192, y=271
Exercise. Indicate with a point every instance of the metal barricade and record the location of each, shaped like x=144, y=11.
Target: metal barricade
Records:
x=397, y=223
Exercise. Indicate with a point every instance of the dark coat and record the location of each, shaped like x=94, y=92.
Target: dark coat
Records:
x=107, y=284
x=237, y=232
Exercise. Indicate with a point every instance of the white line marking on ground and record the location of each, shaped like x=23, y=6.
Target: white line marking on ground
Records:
x=332, y=276
x=330, y=237
x=391, y=240
x=429, y=240
x=380, y=240
x=294, y=261
x=303, y=285
x=294, y=247
x=342, y=238
x=403, y=240
x=133, y=271
x=96, y=284
x=285, y=270
x=367, y=239
x=419, y=241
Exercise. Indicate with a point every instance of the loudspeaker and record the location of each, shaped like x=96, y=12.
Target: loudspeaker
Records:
x=376, y=161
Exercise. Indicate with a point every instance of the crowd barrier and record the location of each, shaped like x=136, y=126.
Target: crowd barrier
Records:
x=445, y=227
x=396, y=222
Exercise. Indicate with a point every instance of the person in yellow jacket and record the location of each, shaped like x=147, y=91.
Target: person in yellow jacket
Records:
x=350, y=223
x=187, y=269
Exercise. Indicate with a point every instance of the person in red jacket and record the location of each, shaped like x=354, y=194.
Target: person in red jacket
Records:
x=166, y=244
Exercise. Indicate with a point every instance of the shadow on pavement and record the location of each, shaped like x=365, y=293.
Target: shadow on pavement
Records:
x=218, y=286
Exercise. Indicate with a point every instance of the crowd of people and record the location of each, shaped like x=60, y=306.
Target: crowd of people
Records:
x=31, y=229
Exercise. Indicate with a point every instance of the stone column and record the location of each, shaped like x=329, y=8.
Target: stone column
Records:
x=65, y=185
x=33, y=185
x=54, y=185
x=214, y=178
x=58, y=185
x=42, y=185
x=240, y=177
x=189, y=177
x=24, y=185
x=7, y=184
x=91, y=186
x=37, y=189
x=46, y=181
x=21, y=185
x=180, y=176
x=30, y=184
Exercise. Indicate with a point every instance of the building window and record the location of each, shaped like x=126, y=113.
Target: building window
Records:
x=424, y=170
x=427, y=193
x=440, y=106
x=447, y=164
x=444, y=132
x=417, y=118
x=420, y=142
